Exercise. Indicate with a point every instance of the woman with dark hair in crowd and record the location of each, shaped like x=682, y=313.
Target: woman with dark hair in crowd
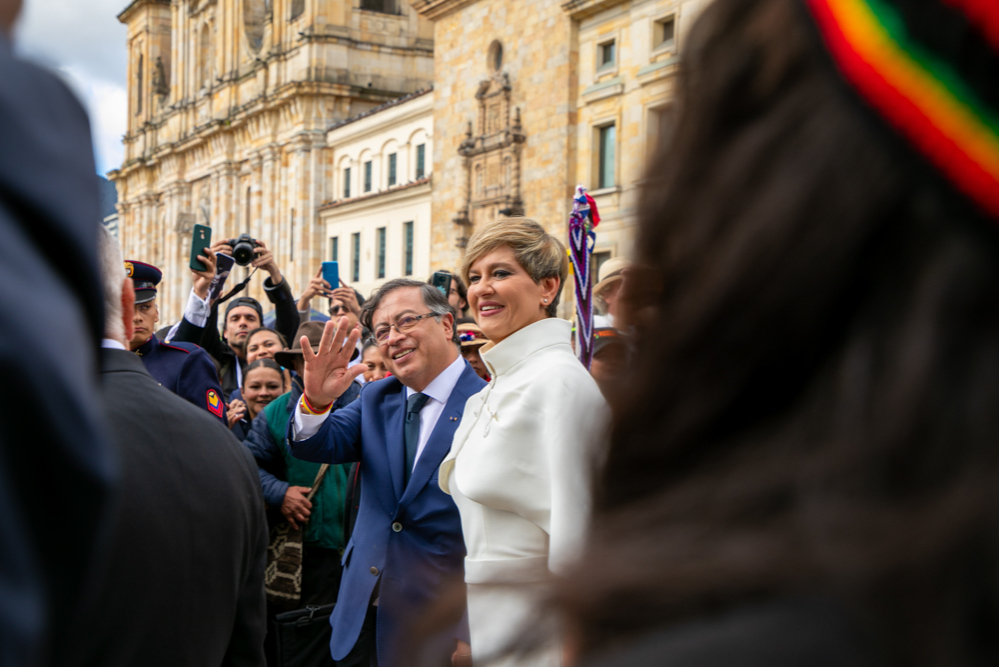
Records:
x=519, y=462
x=264, y=343
x=371, y=357
x=263, y=381
x=804, y=470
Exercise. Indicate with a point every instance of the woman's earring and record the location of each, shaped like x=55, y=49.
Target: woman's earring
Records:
x=545, y=300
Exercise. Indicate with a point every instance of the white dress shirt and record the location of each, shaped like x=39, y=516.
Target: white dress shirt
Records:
x=112, y=344
x=439, y=390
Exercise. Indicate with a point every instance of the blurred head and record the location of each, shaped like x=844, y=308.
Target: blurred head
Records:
x=263, y=343
x=144, y=320
x=515, y=270
x=427, y=343
x=263, y=381
x=119, y=298
x=817, y=324
x=371, y=357
x=9, y=10
x=339, y=309
x=242, y=316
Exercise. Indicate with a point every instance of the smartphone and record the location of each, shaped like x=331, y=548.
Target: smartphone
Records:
x=200, y=239
x=442, y=281
x=331, y=274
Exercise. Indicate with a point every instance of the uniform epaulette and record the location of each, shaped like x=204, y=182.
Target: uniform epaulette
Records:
x=177, y=346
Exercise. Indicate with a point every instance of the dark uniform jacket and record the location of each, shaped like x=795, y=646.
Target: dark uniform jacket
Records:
x=186, y=370
x=182, y=583
x=286, y=323
x=54, y=460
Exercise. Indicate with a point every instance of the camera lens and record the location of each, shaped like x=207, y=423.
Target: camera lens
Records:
x=242, y=252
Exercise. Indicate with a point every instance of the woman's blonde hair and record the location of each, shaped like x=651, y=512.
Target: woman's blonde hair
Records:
x=541, y=254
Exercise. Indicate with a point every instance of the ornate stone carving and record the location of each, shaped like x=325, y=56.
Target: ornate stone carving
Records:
x=492, y=158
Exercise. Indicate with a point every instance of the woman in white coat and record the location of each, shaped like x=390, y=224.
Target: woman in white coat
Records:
x=519, y=467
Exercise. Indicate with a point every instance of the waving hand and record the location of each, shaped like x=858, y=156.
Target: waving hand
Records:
x=326, y=374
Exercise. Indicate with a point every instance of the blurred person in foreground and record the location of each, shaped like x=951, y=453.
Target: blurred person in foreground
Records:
x=803, y=470
x=182, y=581
x=406, y=549
x=286, y=480
x=263, y=382
x=183, y=368
x=242, y=314
x=472, y=339
x=57, y=468
x=521, y=459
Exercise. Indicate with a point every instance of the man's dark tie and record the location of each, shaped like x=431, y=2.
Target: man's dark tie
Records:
x=411, y=434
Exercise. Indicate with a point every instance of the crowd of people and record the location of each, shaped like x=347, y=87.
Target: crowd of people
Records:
x=782, y=453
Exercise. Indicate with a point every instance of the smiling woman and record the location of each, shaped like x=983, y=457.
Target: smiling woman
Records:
x=519, y=461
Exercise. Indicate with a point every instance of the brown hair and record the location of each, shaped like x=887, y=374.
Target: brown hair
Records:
x=815, y=413
x=541, y=254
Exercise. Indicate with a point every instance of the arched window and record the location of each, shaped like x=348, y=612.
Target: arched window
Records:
x=138, y=84
x=297, y=7
x=255, y=13
x=205, y=57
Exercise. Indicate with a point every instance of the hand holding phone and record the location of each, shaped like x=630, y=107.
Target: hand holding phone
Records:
x=331, y=274
x=442, y=281
x=201, y=240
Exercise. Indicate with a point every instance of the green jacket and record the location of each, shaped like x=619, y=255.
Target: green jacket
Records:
x=325, y=527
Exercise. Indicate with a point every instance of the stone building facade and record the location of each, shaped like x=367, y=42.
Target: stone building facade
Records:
x=377, y=227
x=533, y=98
x=229, y=105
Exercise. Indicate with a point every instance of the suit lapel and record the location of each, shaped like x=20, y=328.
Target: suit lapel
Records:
x=440, y=440
x=395, y=415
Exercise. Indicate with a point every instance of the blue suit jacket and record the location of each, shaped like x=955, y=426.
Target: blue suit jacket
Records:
x=407, y=537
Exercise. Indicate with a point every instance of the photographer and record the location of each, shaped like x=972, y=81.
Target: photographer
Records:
x=242, y=314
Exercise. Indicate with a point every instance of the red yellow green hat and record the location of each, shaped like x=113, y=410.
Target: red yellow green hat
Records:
x=930, y=68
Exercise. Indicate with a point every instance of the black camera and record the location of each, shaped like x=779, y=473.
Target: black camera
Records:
x=243, y=249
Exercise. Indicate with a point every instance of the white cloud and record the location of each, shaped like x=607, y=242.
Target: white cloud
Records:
x=83, y=41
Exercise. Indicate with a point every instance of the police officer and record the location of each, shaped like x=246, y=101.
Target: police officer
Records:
x=183, y=368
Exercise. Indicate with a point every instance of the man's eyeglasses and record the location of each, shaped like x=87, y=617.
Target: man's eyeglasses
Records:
x=339, y=309
x=402, y=325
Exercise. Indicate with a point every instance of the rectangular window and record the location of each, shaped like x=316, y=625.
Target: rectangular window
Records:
x=665, y=34
x=355, y=264
x=367, y=176
x=346, y=183
x=408, y=229
x=421, y=158
x=381, y=252
x=605, y=169
x=391, y=169
x=596, y=261
x=335, y=249
x=291, y=248
x=383, y=6
x=607, y=54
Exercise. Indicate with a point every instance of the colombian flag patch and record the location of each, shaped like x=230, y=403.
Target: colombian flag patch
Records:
x=214, y=403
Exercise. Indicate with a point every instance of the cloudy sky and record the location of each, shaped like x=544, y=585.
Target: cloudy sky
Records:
x=84, y=42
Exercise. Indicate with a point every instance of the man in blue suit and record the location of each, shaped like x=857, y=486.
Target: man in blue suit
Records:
x=407, y=541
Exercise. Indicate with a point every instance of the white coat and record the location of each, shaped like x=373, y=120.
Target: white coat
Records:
x=519, y=471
